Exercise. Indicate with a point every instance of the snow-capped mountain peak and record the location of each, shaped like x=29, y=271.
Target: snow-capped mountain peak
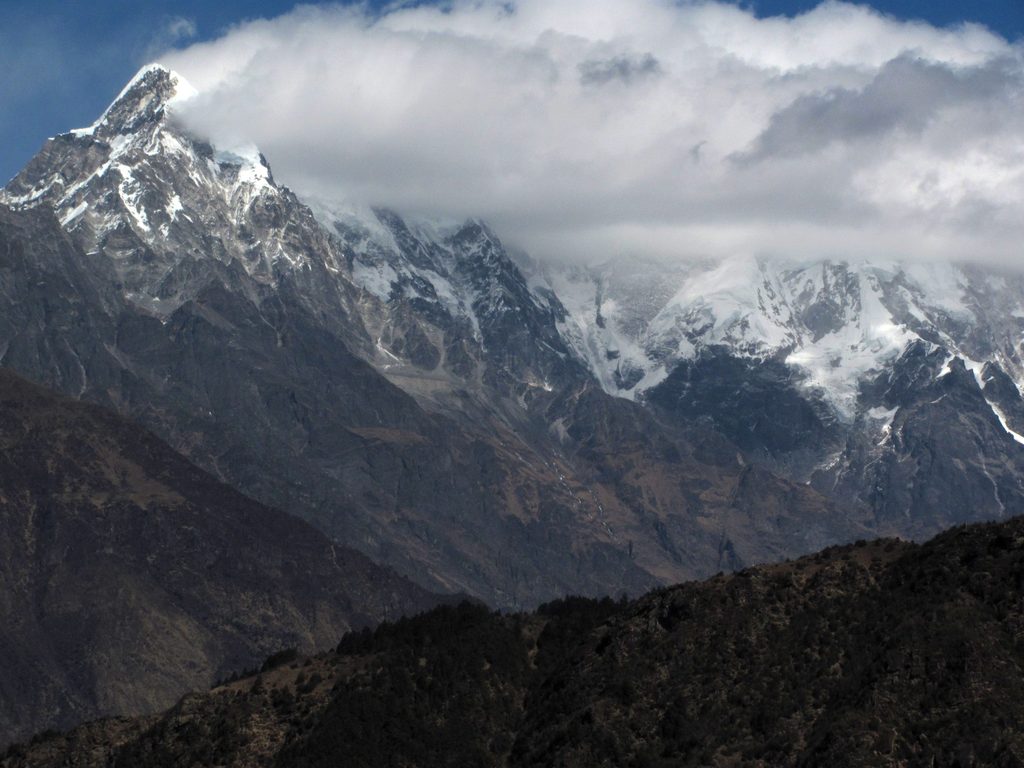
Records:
x=832, y=322
x=141, y=189
x=153, y=92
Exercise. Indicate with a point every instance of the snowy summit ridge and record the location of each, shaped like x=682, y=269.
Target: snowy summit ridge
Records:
x=138, y=187
x=833, y=322
x=153, y=87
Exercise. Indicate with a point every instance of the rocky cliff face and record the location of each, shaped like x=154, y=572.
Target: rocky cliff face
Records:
x=455, y=307
x=129, y=576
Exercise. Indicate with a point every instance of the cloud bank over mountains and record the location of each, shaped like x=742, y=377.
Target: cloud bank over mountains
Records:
x=588, y=129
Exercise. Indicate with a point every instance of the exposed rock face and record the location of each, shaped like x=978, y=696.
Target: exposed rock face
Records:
x=757, y=403
x=407, y=389
x=879, y=654
x=129, y=576
x=935, y=449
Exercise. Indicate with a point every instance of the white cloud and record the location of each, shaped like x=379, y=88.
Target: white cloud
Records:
x=591, y=128
x=172, y=32
x=178, y=28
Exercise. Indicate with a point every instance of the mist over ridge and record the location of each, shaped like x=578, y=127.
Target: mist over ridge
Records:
x=654, y=128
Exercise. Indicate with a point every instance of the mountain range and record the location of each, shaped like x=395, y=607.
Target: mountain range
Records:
x=410, y=392
x=479, y=422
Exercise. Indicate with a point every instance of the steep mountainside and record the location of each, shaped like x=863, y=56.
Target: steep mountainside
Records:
x=406, y=389
x=882, y=653
x=454, y=313
x=829, y=373
x=128, y=576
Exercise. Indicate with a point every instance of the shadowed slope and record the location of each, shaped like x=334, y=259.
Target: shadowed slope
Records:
x=128, y=576
x=881, y=653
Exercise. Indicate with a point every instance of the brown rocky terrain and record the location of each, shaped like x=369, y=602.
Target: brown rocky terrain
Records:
x=128, y=576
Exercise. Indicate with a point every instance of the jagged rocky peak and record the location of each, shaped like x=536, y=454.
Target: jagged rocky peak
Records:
x=450, y=298
x=174, y=213
x=135, y=116
x=169, y=209
x=144, y=101
x=452, y=266
x=140, y=119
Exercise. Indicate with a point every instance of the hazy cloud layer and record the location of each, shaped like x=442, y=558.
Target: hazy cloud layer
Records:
x=624, y=68
x=592, y=128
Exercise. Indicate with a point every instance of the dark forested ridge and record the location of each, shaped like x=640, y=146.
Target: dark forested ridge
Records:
x=128, y=576
x=881, y=653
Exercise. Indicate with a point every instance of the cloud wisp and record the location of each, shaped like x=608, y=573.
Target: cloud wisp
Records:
x=588, y=129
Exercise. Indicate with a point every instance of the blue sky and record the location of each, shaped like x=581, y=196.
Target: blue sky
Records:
x=63, y=61
x=1003, y=16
